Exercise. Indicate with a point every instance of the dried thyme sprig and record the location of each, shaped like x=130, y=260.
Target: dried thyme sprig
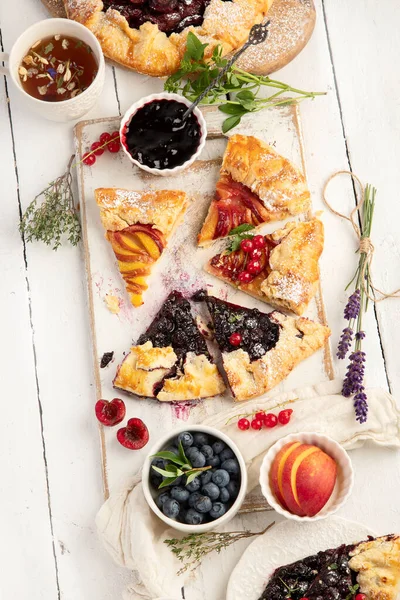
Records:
x=192, y=548
x=55, y=216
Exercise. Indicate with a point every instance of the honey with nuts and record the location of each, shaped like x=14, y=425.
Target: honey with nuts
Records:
x=57, y=68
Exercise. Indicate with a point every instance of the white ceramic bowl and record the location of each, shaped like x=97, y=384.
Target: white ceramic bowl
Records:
x=344, y=480
x=65, y=110
x=162, y=96
x=151, y=494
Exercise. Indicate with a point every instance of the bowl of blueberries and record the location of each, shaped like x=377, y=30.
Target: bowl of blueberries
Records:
x=195, y=479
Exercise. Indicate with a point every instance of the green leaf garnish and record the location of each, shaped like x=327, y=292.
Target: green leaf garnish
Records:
x=241, y=229
x=178, y=466
x=176, y=472
x=194, y=47
x=182, y=454
x=170, y=456
x=237, y=235
x=332, y=567
x=166, y=482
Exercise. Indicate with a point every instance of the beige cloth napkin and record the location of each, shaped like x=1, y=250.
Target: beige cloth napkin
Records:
x=134, y=536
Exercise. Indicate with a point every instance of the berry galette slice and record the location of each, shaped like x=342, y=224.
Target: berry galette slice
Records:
x=258, y=349
x=171, y=361
x=280, y=268
x=369, y=570
x=257, y=185
x=150, y=35
x=138, y=225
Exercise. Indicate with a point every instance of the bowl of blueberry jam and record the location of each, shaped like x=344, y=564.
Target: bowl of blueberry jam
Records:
x=211, y=488
x=157, y=137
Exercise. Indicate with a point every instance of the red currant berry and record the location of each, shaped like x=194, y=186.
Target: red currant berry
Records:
x=88, y=159
x=254, y=267
x=284, y=416
x=359, y=597
x=258, y=241
x=245, y=277
x=114, y=146
x=256, y=424
x=104, y=138
x=244, y=424
x=235, y=339
x=247, y=245
x=115, y=135
x=256, y=253
x=96, y=147
x=270, y=420
x=260, y=416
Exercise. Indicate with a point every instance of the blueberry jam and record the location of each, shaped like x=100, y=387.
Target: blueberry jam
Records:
x=257, y=332
x=323, y=576
x=169, y=15
x=158, y=137
x=174, y=326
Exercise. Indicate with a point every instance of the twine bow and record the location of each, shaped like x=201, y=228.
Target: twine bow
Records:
x=366, y=246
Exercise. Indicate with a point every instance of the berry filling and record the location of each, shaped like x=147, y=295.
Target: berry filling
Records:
x=171, y=16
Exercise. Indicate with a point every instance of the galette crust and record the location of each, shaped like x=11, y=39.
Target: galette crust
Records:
x=150, y=51
x=298, y=339
x=377, y=563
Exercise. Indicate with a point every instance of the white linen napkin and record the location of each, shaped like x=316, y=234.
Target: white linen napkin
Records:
x=134, y=536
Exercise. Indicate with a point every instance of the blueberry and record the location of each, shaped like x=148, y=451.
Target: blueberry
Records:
x=224, y=495
x=213, y=462
x=161, y=499
x=211, y=490
x=171, y=508
x=155, y=478
x=196, y=458
x=218, y=509
x=202, y=504
x=207, y=451
x=192, y=498
x=172, y=449
x=205, y=477
x=200, y=439
x=158, y=462
x=232, y=466
x=179, y=493
x=225, y=454
x=218, y=447
x=221, y=478
x=182, y=515
x=185, y=438
x=233, y=489
x=194, y=485
x=193, y=517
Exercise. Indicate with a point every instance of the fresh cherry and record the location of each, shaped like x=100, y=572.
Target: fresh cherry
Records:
x=270, y=420
x=88, y=159
x=247, y=245
x=257, y=424
x=110, y=413
x=134, y=436
x=96, y=147
x=114, y=146
x=258, y=241
x=254, y=267
x=244, y=424
x=284, y=416
x=104, y=138
x=256, y=253
x=235, y=339
x=358, y=597
x=245, y=277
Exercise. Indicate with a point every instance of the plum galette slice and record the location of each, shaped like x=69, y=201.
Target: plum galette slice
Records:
x=280, y=268
x=369, y=570
x=256, y=185
x=138, y=225
x=150, y=35
x=171, y=361
x=258, y=349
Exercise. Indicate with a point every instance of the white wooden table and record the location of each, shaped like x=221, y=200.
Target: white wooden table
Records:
x=49, y=456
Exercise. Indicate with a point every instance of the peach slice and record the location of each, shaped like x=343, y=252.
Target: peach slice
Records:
x=149, y=244
x=275, y=475
x=133, y=267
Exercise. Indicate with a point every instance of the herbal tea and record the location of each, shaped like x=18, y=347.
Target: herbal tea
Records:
x=57, y=68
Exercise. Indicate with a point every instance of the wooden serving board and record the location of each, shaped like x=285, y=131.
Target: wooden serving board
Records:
x=180, y=267
x=292, y=23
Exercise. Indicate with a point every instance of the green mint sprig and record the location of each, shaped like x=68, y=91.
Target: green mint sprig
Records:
x=238, y=234
x=196, y=73
x=177, y=466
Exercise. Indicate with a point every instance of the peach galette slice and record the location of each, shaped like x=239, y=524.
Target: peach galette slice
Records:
x=258, y=349
x=257, y=185
x=138, y=225
x=280, y=268
x=171, y=361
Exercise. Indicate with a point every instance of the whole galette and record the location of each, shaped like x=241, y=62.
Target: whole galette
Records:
x=150, y=35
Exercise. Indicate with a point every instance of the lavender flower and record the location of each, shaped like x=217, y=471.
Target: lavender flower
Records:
x=361, y=407
x=360, y=335
x=353, y=306
x=345, y=342
x=353, y=382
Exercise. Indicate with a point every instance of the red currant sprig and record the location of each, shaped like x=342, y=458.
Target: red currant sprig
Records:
x=254, y=248
x=111, y=141
x=268, y=420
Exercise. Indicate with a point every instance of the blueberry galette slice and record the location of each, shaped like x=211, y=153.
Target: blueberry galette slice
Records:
x=150, y=35
x=280, y=268
x=171, y=361
x=366, y=571
x=257, y=185
x=138, y=225
x=258, y=349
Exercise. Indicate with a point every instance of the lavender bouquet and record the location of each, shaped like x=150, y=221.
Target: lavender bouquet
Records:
x=353, y=334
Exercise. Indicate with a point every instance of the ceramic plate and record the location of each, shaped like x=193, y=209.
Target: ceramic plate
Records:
x=285, y=543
